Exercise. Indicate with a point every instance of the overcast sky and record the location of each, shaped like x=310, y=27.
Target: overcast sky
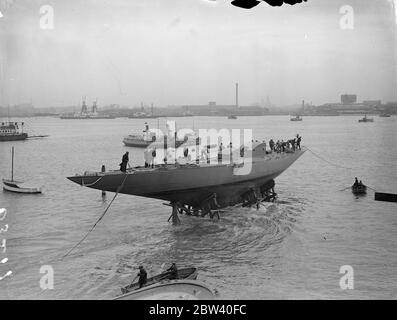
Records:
x=193, y=51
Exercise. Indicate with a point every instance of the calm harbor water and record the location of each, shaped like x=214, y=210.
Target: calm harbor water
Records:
x=291, y=249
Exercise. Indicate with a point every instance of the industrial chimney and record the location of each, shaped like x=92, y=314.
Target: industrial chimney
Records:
x=236, y=95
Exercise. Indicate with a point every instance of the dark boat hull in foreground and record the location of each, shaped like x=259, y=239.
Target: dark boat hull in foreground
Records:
x=172, y=290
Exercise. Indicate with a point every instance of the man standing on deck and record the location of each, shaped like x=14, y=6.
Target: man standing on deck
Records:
x=271, y=145
x=124, y=162
x=153, y=156
x=220, y=150
x=142, y=276
x=298, y=141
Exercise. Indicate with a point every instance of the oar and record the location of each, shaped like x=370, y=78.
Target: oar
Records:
x=134, y=279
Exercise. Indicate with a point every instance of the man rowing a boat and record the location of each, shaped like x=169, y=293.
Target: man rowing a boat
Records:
x=142, y=276
x=174, y=271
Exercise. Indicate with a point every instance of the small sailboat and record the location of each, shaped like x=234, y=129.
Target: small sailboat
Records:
x=18, y=186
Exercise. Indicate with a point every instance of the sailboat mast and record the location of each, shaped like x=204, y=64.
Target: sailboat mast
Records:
x=12, y=165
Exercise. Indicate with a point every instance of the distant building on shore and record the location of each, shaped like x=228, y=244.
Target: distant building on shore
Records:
x=18, y=110
x=213, y=109
x=348, y=98
x=349, y=105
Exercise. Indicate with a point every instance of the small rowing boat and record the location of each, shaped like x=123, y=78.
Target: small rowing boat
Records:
x=18, y=186
x=359, y=189
x=172, y=290
x=185, y=273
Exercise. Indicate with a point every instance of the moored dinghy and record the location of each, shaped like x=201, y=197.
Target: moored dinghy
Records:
x=18, y=186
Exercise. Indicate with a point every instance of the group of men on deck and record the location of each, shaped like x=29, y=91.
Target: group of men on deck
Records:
x=282, y=146
x=279, y=146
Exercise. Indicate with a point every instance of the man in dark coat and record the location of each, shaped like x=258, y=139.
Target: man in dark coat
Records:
x=298, y=141
x=124, y=162
x=142, y=276
x=174, y=271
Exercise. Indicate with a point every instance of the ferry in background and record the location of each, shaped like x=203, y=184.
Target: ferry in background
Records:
x=142, y=115
x=149, y=137
x=385, y=115
x=85, y=114
x=12, y=131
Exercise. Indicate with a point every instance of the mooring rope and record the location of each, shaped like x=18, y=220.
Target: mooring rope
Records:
x=329, y=162
x=336, y=165
x=100, y=218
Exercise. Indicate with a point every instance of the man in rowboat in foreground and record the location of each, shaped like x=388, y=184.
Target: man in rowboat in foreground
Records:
x=142, y=276
x=174, y=271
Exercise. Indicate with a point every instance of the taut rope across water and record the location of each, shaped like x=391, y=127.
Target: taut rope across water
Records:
x=329, y=162
x=100, y=218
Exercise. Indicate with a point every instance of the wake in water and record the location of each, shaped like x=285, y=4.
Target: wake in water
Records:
x=209, y=245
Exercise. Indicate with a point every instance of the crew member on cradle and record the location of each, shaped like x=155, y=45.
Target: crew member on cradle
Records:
x=174, y=271
x=142, y=276
x=355, y=182
x=124, y=162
